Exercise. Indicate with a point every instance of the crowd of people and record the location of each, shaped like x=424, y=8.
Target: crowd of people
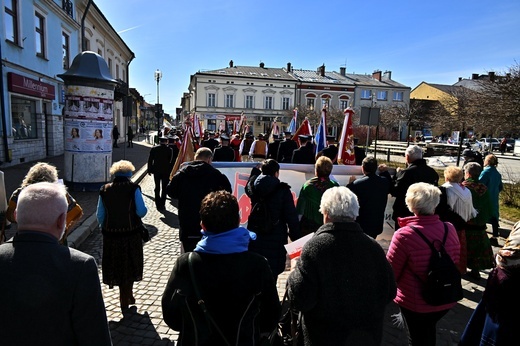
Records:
x=222, y=289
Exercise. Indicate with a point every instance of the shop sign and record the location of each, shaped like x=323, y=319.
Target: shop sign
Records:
x=28, y=86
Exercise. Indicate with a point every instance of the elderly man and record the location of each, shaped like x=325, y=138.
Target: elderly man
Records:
x=50, y=293
x=339, y=265
x=190, y=185
x=417, y=171
x=160, y=164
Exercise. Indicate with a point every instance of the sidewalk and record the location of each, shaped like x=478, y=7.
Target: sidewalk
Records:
x=138, y=155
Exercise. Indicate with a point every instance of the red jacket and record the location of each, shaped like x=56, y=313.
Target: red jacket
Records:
x=409, y=256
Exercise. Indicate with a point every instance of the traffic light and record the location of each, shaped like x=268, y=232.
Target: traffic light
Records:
x=158, y=110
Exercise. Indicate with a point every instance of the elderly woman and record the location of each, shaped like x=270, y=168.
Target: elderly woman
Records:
x=496, y=319
x=45, y=172
x=456, y=207
x=409, y=256
x=342, y=282
x=119, y=212
x=480, y=253
x=493, y=180
x=308, y=206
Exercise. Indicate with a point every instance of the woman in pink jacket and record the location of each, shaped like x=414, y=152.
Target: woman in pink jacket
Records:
x=409, y=256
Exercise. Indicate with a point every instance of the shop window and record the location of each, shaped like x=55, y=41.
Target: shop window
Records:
x=23, y=112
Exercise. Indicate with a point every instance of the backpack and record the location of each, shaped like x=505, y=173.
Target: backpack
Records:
x=260, y=219
x=443, y=283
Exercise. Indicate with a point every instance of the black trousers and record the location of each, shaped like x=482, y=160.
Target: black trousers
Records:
x=161, y=181
x=494, y=223
x=422, y=327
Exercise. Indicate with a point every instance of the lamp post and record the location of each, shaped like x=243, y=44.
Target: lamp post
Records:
x=372, y=99
x=158, y=76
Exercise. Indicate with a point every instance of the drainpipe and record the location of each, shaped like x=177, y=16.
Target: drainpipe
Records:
x=83, y=48
x=3, y=114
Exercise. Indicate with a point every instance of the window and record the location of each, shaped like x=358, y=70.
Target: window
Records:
x=250, y=101
x=39, y=27
x=100, y=52
x=123, y=76
x=23, y=118
x=87, y=44
x=324, y=102
x=65, y=48
x=212, y=125
x=229, y=101
x=11, y=21
x=286, y=103
x=366, y=94
x=382, y=95
x=110, y=65
x=211, y=102
x=117, y=71
x=310, y=103
x=268, y=102
x=398, y=95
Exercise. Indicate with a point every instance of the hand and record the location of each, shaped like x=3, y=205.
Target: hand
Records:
x=382, y=168
x=398, y=169
x=351, y=179
x=294, y=262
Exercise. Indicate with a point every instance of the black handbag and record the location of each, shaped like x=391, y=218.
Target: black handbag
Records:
x=145, y=234
x=288, y=331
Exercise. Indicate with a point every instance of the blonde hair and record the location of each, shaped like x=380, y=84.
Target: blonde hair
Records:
x=122, y=166
x=422, y=198
x=453, y=174
x=40, y=172
x=490, y=160
x=323, y=167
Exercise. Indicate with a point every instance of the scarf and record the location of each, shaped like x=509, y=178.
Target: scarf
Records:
x=460, y=200
x=232, y=241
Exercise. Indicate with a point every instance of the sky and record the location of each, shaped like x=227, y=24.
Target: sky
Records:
x=435, y=42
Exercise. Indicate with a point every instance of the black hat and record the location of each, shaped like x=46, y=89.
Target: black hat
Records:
x=249, y=135
x=468, y=153
x=261, y=136
x=304, y=137
x=224, y=137
x=287, y=133
x=163, y=139
x=331, y=138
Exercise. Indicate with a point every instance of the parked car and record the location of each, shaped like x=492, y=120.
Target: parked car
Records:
x=428, y=139
x=510, y=144
x=490, y=144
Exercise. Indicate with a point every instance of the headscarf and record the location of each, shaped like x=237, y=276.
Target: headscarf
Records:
x=509, y=255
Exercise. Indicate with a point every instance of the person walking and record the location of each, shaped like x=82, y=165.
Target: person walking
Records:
x=263, y=183
x=342, y=281
x=224, y=152
x=308, y=205
x=372, y=193
x=409, y=256
x=130, y=137
x=115, y=136
x=235, y=284
x=50, y=293
x=119, y=212
x=160, y=163
x=189, y=186
x=493, y=180
x=305, y=153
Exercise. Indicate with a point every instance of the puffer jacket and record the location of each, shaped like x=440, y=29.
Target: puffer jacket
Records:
x=409, y=256
x=282, y=209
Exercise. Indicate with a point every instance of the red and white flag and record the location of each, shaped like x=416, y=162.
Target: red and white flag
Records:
x=186, y=151
x=304, y=129
x=346, y=154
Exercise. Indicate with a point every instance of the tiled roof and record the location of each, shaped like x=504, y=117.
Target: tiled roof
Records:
x=450, y=89
x=251, y=72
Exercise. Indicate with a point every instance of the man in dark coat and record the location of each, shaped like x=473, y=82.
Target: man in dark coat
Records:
x=265, y=184
x=305, y=153
x=272, y=148
x=173, y=143
x=224, y=152
x=236, y=285
x=160, y=163
x=417, y=171
x=342, y=281
x=286, y=148
x=331, y=151
x=190, y=185
x=115, y=136
x=50, y=293
x=210, y=143
x=372, y=193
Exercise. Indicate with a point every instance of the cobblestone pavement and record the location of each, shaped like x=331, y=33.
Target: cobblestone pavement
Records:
x=144, y=324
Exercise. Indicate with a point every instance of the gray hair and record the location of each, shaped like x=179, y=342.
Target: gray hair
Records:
x=473, y=169
x=414, y=152
x=422, y=198
x=42, y=204
x=122, y=166
x=340, y=204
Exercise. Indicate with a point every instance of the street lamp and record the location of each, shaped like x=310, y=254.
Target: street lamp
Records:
x=158, y=76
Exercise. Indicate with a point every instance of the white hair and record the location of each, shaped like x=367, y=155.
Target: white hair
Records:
x=414, y=152
x=422, y=198
x=41, y=204
x=340, y=204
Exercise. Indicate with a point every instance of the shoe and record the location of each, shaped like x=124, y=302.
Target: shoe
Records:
x=474, y=273
x=494, y=242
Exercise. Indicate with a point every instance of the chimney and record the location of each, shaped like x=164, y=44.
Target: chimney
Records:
x=288, y=67
x=230, y=63
x=321, y=70
x=343, y=71
x=474, y=76
x=492, y=76
x=460, y=78
x=262, y=65
x=376, y=75
x=387, y=75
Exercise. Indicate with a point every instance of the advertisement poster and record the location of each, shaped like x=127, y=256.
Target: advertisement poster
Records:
x=89, y=103
x=88, y=136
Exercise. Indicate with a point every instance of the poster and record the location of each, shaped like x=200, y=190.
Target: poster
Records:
x=88, y=136
x=89, y=103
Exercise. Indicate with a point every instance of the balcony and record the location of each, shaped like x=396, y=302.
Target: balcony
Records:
x=68, y=7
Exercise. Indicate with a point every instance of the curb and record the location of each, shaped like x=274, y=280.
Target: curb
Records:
x=80, y=234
